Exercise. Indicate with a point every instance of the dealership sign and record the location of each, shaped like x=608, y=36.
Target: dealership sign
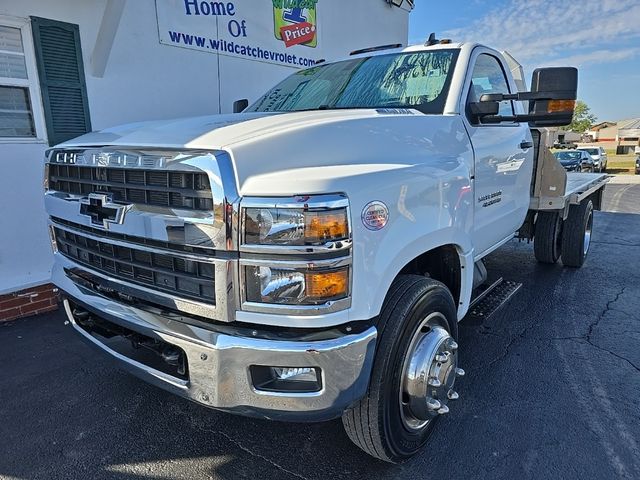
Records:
x=284, y=32
x=296, y=25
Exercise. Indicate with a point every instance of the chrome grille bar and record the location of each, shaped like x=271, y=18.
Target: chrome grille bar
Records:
x=187, y=278
x=185, y=190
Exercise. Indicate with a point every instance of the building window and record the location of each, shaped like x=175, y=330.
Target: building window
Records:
x=21, y=114
x=16, y=113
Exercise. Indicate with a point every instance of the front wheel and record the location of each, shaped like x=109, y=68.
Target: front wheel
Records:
x=414, y=371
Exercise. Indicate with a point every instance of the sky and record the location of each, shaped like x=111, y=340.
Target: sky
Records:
x=600, y=37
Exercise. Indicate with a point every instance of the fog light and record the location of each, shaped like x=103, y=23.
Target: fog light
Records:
x=286, y=379
x=295, y=374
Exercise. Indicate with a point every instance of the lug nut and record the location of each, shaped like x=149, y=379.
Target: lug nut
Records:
x=453, y=395
x=451, y=343
x=433, y=404
x=442, y=410
x=459, y=372
x=442, y=357
x=434, y=382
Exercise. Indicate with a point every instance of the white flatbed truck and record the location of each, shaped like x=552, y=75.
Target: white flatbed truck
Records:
x=310, y=258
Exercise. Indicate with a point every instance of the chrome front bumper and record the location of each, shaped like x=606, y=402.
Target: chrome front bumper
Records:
x=219, y=362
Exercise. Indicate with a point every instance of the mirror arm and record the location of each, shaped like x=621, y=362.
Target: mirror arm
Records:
x=520, y=118
x=524, y=96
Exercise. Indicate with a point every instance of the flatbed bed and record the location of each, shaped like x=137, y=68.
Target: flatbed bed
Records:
x=578, y=186
x=581, y=185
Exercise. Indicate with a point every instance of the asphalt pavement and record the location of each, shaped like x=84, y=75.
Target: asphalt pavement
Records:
x=552, y=391
x=623, y=194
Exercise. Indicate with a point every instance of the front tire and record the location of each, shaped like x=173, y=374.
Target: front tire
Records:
x=413, y=372
x=576, y=238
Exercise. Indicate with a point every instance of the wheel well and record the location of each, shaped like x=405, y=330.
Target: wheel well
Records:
x=442, y=264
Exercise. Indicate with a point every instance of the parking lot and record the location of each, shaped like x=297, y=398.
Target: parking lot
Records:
x=552, y=391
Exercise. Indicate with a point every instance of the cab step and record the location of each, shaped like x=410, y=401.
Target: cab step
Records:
x=492, y=299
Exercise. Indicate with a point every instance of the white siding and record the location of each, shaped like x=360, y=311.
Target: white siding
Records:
x=145, y=80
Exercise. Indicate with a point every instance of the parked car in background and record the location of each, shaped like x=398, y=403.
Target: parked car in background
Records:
x=562, y=144
x=576, y=161
x=638, y=164
x=599, y=156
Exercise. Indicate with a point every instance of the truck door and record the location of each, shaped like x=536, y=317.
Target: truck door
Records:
x=503, y=156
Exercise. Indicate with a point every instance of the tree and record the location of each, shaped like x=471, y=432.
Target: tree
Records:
x=582, y=118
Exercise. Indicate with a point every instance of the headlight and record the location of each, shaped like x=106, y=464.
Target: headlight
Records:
x=301, y=221
x=299, y=254
x=276, y=226
x=295, y=286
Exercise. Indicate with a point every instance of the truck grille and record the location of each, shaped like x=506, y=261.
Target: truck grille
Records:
x=172, y=189
x=166, y=272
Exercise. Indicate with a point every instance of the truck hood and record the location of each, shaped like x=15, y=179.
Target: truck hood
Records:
x=308, y=152
x=212, y=131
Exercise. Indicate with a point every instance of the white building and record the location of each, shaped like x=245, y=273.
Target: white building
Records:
x=69, y=66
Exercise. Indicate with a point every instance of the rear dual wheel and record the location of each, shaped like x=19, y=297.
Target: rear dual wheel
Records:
x=576, y=238
x=414, y=370
x=547, y=242
x=569, y=239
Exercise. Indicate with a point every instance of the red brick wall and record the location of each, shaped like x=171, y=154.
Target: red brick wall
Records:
x=30, y=301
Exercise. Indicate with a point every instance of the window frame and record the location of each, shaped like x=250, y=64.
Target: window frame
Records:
x=31, y=83
x=464, y=96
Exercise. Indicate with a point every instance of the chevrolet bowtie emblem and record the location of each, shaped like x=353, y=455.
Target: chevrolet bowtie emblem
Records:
x=102, y=210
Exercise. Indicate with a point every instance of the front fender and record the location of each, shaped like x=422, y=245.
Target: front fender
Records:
x=419, y=166
x=425, y=212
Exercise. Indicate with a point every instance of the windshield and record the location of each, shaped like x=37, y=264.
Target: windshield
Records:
x=402, y=80
x=568, y=156
x=591, y=151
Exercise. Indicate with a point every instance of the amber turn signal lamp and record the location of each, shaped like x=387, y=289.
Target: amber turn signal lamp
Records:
x=326, y=226
x=325, y=285
x=555, y=106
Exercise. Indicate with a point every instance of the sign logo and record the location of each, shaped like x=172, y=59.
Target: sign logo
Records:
x=295, y=22
x=375, y=215
x=102, y=210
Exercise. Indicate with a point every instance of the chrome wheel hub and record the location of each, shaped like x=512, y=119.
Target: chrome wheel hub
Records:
x=587, y=234
x=430, y=369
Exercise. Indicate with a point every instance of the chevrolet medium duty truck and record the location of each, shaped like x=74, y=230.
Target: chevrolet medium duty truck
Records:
x=310, y=257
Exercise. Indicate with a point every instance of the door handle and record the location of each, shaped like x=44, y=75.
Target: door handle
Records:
x=524, y=145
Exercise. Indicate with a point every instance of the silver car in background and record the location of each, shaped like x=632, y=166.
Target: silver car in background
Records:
x=599, y=156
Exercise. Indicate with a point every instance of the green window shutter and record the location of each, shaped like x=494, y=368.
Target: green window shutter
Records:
x=61, y=71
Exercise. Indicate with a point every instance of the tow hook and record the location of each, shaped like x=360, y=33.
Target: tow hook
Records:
x=170, y=355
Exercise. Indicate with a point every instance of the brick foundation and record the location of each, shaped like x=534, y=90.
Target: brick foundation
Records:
x=27, y=302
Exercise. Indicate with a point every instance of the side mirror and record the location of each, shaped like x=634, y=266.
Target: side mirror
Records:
x=479, y=110
x=554, y=92
x=240, y=105
x=552, y=99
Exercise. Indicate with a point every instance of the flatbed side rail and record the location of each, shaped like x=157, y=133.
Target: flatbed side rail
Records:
x=583, y=190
